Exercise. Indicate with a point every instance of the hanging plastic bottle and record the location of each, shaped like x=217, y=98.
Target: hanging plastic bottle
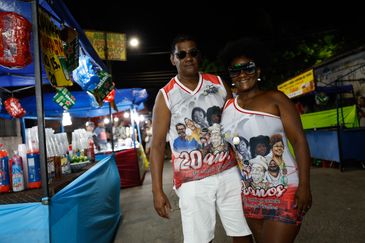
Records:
x=4, y=170
x=17, y=173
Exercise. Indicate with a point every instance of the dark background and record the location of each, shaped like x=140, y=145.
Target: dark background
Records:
x=149, y=67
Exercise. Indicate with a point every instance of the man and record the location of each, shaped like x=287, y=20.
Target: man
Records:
x=258, y=171
x=182, y=143
x=274, y=175
x=101, y=135
x=203, y=183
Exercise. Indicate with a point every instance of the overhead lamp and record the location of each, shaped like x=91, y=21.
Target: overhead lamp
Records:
x=106, y=120
x=134, y=42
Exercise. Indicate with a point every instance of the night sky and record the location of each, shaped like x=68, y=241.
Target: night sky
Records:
x=212, y=27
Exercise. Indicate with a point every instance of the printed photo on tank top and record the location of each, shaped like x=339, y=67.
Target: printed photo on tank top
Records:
x=196, y=140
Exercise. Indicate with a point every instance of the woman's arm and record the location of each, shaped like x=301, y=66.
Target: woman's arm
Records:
x=295, y=133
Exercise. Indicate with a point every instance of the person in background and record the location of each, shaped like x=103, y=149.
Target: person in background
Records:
x=203, y=186
x=90, y=126
x=101, y=135
x=273, y=213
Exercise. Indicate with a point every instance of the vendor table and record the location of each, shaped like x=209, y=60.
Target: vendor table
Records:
x=86, y=210
x=131, y=163
x=328, y=141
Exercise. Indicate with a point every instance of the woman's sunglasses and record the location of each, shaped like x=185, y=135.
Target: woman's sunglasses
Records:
x=248, y=68
x=182, y=54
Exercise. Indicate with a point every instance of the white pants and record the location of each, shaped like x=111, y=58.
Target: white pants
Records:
x=199, y=200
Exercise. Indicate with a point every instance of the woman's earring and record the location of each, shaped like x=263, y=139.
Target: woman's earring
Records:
x=258, y=79
x=232, y=84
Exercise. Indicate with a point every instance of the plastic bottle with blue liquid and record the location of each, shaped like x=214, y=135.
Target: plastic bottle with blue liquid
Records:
x=4, y=170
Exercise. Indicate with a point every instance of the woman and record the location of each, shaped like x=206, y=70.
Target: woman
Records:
x=274, y=213
x=277, y=145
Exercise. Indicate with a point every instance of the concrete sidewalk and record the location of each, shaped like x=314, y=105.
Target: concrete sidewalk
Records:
x=337, y=214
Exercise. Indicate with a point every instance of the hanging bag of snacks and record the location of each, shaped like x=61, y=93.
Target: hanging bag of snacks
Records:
x=14, y=40
x=14, y=108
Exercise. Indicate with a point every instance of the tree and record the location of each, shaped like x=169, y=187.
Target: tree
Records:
x=292, y=59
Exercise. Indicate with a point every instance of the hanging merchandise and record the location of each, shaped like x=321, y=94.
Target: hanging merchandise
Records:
x=85, y=75
x=104, y=87
x=53, y=55
x=64, y=98
x=14, y=108
x=110, y=96
x=14, y=40
x=70, y=41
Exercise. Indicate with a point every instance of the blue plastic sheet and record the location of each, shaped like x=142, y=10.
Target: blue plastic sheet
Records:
x=124, y=99
x=88, y=209
x=24, y=222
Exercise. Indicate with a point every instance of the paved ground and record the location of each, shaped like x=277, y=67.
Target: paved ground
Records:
x=337, y=214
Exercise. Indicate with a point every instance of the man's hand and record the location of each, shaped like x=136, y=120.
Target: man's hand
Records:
x=162, y=204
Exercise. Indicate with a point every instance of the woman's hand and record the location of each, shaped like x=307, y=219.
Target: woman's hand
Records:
x=303, y=198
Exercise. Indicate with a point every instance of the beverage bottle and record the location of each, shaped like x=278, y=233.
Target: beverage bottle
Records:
x=91, y=151
x=34, y=170
x=17, y=173
x=4, y=170
x=22, y=150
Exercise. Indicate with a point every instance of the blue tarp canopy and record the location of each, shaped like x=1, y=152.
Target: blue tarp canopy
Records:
x=10, y=77
x=124, y=99
x=13, y=77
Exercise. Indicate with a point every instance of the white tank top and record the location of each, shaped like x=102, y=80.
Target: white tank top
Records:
x=198, y=148
x=268, y=171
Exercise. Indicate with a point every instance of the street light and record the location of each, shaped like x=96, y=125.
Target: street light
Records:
x=134, y=42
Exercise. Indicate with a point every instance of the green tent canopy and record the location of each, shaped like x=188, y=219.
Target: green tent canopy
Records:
x=328, y=118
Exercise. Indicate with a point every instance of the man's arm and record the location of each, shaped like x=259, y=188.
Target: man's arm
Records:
x=160, y=124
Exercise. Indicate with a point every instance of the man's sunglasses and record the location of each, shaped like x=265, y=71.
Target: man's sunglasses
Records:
x=182, y=54
x=248, y=68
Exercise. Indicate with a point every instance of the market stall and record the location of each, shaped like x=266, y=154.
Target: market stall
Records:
x=326, y=140
x=325, y=95
x=130, y=160
x=86, y=206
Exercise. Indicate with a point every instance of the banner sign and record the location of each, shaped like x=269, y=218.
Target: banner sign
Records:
x=114, y=44
x=299, y=85
x=53, y=56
